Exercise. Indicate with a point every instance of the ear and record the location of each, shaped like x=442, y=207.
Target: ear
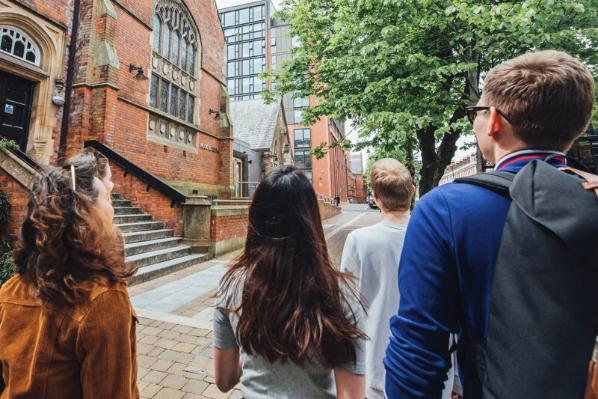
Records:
x=494, y=123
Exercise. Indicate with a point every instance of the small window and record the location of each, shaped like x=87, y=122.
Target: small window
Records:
x=175, y=48
x=156, y=32
x=174, y=93
x=164, y=91
x=184, y=46
x=192, y=55
x=182, y=104
x=19, y=45
x=190, y=109
x=244, y=15
x=166, y=41
x=154, y=91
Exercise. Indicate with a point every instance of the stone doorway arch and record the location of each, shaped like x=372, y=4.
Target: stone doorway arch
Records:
x=47, y=76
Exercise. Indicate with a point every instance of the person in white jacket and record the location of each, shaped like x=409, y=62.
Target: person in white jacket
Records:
x=372, y=255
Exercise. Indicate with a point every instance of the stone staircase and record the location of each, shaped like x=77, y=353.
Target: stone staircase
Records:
x=153, y=248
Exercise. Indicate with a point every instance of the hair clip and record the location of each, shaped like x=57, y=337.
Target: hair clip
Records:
x=73, y=177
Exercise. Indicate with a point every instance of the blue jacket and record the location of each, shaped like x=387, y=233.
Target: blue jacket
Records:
x=445, y=279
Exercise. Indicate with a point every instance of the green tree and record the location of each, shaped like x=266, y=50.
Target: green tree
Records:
x=404, y=70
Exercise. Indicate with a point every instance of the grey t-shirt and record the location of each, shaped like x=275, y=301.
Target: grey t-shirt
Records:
x=262, y=379
x=372, y=254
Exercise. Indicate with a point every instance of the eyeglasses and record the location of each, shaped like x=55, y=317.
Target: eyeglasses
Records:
x=472, y=111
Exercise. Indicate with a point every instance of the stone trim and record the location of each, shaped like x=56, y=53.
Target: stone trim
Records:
x=96, y=85
x=17, y=169
x=220, y=211
x=106, y=8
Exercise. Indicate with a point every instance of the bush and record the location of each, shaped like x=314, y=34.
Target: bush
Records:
x=9, y=144
x=7, y=267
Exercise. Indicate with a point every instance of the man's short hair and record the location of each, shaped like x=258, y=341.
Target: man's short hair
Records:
x=392, y=183
x=546, y=95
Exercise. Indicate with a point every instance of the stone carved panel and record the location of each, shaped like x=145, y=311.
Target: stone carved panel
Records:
x=165, y=131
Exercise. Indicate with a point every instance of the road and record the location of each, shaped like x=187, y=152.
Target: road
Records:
x=175, y=319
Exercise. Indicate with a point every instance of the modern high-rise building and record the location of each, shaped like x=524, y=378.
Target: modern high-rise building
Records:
x=246, y=30
x=256, y=42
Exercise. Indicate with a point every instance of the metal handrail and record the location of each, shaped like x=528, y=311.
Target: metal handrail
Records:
x=152, y=181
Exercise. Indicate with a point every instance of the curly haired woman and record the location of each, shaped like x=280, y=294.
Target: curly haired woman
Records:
x=67, y=328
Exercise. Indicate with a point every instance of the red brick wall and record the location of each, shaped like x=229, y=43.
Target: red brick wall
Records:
x=19, y=197
x=104, y=113
x=327, y=211
x=226, y=227
x=152, y=202
x=59, y=11
x=329, y=173
x=360, y=189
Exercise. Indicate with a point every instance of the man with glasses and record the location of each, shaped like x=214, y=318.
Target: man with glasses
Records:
x=533, y=108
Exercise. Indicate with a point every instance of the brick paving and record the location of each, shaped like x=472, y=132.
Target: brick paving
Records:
x=175, y=361
x=174, y=343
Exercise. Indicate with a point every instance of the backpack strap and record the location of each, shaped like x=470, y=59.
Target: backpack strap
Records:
x=591, y=181
x=499, y=182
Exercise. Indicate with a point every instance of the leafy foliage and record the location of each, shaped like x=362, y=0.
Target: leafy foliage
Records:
x=8, y=144
x=404, y=70
x=7, y=267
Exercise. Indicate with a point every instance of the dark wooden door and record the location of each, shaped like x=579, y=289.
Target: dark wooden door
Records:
x=15, y=108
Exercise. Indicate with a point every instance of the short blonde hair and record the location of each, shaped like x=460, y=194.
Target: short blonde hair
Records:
x=547, y=96
x=392, y=183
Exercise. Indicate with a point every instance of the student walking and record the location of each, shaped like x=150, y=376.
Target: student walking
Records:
x=67, y=328
x=288, y=324
x=372, y=255
x=506, y=259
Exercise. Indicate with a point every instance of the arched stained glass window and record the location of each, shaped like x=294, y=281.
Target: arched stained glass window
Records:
x=17, y=44
x=174, y=84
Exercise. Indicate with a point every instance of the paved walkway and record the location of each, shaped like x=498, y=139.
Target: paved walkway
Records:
x=175, y=321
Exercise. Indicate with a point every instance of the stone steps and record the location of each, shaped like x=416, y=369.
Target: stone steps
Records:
x=122, y=219
x=169, y=266
x=126, y=210
x=148, y=244
x=148, y=235
x=140, y=226
x=137, y=248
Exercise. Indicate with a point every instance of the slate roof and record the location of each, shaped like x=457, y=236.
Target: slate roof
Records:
x=254, y=122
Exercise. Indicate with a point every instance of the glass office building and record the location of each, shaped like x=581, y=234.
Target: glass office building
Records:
x=246, y=30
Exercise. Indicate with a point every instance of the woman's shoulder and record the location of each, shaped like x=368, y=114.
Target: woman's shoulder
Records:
x=104, y=299
x=17, y=289
x=230, y=291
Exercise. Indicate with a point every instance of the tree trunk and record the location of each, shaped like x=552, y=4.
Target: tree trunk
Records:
x=427, y=144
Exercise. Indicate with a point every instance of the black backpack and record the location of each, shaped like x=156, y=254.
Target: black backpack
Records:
x=543, y=318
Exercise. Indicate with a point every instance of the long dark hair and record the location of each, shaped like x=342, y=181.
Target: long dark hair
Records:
x=293, y=303
x=64, y=243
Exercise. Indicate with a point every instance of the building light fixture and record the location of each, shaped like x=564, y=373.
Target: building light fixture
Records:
x=140, y=73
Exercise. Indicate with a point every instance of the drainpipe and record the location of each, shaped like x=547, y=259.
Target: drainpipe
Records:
x=70, y=75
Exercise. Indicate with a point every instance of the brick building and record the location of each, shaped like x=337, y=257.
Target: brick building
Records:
x=257, y=42
x=465, y=167
x=146, y=80
x=142, y=81
x=357, y=185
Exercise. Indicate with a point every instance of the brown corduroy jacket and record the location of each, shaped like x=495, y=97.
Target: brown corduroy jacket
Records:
x=84, y=351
